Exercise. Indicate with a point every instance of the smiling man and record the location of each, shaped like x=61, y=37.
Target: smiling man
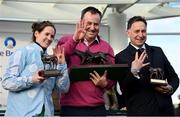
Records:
x=85, y=98
x=142, y=96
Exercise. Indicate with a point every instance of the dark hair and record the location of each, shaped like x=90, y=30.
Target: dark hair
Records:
x=92, y=10
x=135, y=19
x=39, y=26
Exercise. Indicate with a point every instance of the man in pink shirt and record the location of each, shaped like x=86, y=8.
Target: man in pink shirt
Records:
x=85, y=98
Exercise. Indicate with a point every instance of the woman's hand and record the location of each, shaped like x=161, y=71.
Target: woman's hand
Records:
x=37, y=79
x=59, y=53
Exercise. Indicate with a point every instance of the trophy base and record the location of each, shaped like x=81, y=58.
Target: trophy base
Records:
x=49, y=73
x=158, y=82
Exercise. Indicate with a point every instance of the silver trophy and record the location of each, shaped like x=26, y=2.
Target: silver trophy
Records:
x=156, y=76
x=50, y=66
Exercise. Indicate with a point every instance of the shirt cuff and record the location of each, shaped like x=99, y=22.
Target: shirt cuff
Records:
x=135, y=73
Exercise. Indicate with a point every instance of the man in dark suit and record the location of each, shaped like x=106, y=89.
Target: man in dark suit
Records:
x=143, y=97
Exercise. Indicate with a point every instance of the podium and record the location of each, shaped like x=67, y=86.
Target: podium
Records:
x=114, y=71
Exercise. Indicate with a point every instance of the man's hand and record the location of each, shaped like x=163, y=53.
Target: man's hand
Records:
x=80, y=31
x=164, y=89
x=99, y=80
x=137, y=64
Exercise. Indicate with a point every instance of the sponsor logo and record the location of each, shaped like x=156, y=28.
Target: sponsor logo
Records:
x=10, y=42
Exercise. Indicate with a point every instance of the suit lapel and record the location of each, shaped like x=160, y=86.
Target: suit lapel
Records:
x=131, y=50
x=149, y=51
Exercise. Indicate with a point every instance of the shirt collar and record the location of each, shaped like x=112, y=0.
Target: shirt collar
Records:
x=96, y=40
x=143, y=46
x=38, y=47
x=44, y=49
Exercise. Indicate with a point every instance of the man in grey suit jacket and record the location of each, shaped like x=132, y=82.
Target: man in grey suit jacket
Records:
x=142, y=97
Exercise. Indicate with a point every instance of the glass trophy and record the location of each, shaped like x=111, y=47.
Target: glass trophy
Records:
x=50, y=66
x=156, y=76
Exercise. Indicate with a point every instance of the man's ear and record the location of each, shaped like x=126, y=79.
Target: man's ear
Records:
x=128, y=32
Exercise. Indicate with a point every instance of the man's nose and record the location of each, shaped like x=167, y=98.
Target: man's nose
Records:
x=141, y=34
x=50, y=38
x=92, y=27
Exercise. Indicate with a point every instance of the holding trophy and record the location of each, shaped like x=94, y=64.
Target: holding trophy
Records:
x=156, y=76
x=50, y=64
